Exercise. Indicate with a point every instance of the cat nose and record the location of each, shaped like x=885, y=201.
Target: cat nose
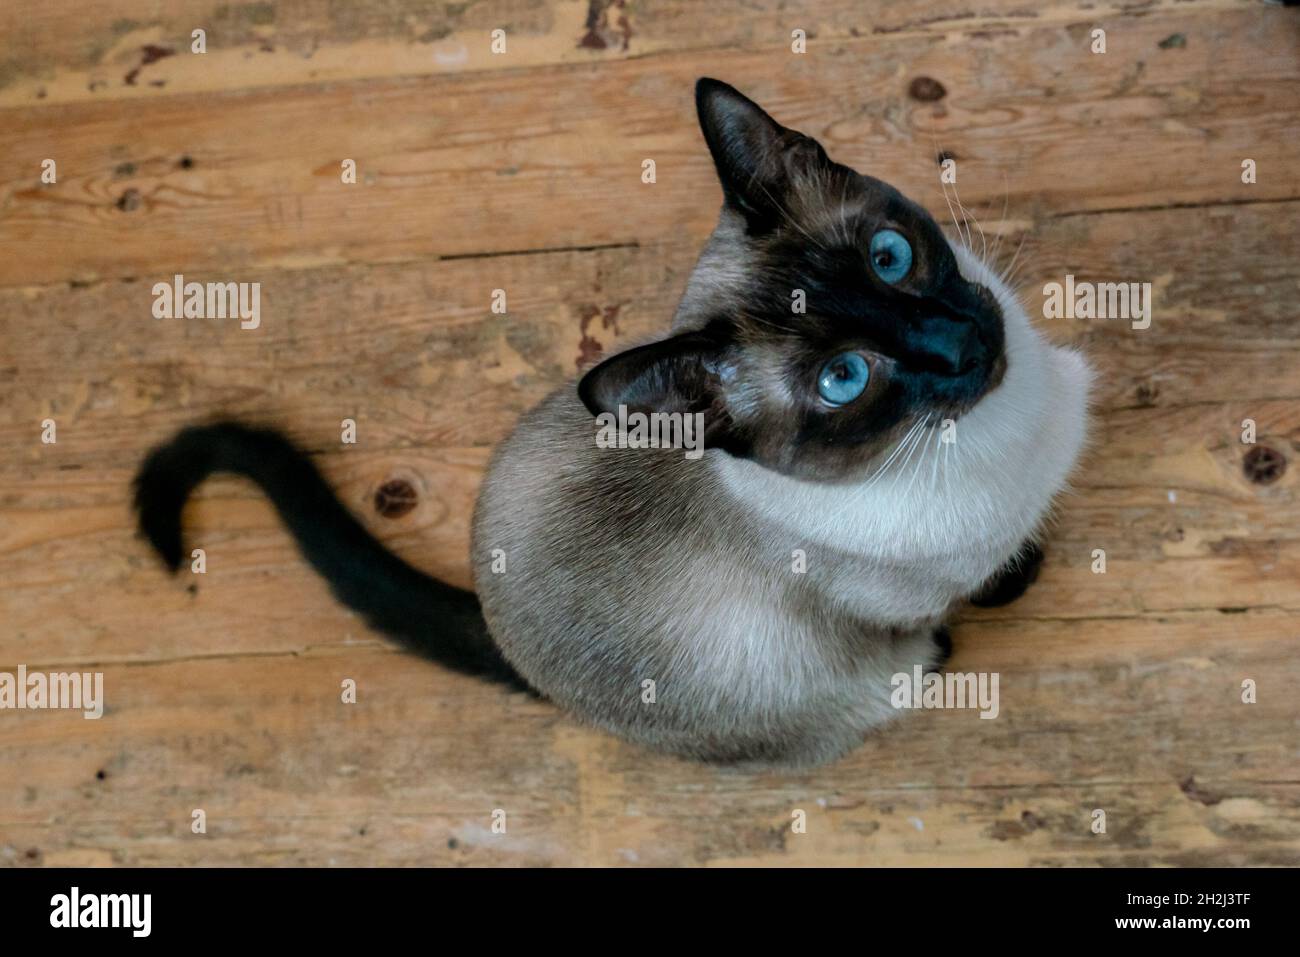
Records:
x=949, y=346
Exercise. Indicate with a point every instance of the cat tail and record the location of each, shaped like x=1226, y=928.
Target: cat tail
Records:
x=435, y=619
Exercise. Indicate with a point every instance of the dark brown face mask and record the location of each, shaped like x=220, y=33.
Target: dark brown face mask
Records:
x=854, y=323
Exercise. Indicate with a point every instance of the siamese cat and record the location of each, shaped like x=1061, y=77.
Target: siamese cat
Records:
x=871, y=460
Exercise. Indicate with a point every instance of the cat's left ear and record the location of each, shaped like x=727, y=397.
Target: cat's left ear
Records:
x=758, y=160
x=684, y=373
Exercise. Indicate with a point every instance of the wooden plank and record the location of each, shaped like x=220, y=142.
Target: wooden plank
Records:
x=479, y=163
x=412, y=772
x=125, y=49
x=415, y=354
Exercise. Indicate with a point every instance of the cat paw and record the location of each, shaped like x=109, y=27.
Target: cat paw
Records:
x=943, y=648
x=1012, y=580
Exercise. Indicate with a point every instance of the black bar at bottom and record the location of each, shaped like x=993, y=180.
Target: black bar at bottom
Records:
x=330, y=907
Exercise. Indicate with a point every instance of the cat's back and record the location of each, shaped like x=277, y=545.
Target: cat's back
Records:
x=573, y=543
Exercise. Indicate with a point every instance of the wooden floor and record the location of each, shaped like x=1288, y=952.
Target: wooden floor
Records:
x=521, y=171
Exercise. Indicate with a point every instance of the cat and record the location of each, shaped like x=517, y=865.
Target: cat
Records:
x=884, y=430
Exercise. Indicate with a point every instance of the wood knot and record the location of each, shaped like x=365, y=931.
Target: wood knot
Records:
x=395, y=498
x=1031, y=821
x=1197, y=793
x=926, y=89
x=129, y=201
x=1263, y=465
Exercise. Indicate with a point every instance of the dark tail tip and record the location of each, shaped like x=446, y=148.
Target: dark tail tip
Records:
x=165, y=480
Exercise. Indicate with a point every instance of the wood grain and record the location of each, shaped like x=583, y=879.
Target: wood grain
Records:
x=412, y=772
x=62, y=52
x=479, y=163
x=1120, y=691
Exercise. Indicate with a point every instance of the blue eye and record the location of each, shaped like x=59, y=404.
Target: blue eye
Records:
x=843, y=379
x=891, y=255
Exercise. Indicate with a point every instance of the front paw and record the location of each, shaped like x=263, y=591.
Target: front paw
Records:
x=1011, y=581
x=943, y=648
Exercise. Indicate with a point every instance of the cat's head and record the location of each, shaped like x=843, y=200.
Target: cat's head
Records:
x=827, y=315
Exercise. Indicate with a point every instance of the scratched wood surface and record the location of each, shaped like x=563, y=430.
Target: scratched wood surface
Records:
x=1119, y=691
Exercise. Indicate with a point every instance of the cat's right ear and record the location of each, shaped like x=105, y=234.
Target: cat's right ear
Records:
x=684, y=373
x=758, y=160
